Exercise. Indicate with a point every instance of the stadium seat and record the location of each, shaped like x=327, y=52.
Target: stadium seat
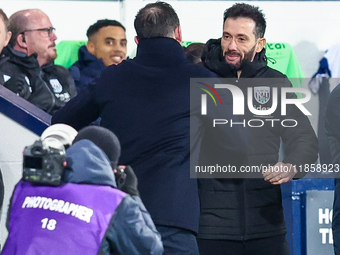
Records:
x=68, y=52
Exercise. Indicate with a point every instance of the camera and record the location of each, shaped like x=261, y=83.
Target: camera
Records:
x=44, y=162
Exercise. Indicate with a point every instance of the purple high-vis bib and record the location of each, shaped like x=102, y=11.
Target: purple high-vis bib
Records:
x=70, y=219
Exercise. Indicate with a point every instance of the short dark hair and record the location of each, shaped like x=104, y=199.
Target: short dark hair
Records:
x=156, y=20
x=4, y=17
x=248, y=11
x=102, y=23
x=194, y=52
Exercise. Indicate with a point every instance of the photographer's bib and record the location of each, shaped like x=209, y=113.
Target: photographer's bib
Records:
x=68, y=219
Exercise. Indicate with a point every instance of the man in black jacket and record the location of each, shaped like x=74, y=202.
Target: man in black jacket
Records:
x=333, y=132
x=146, y=102
x=245, y=216
x=106, y=46
x=27, y=68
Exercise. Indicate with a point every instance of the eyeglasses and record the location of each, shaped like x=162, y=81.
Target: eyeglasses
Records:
x=46, y=31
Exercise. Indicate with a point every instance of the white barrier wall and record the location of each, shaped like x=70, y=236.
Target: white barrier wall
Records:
x=14, y=138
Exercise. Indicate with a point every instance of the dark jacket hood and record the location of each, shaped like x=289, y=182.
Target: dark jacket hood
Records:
x=48, y=68
x=86, y=58
x=87, y=163
x=86, y=69
x=20, y=58
x=212, y=59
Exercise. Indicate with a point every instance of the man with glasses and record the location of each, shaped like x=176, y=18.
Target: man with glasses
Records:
x=106, y=46
x=28, y=69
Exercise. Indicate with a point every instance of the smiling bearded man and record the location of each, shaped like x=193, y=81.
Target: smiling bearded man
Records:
x=245, y=215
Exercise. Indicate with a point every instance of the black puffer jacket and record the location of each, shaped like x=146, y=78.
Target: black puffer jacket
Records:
x=333, y=133
x=248, y=208
x=332, y=126
x=48, y=87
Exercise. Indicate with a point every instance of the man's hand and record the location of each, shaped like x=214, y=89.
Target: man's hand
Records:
x=280, y=173
x=130, y=184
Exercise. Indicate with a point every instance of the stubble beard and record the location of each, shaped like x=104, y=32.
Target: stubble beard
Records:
x=247, y=57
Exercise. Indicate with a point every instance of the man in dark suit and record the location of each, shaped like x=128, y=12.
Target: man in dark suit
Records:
x=146, y=102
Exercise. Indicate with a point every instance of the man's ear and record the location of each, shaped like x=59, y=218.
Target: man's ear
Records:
x=21, y=41
x=260, y=44
x=8, y=37
x=91, y=47
x=178, y=34
x=136, y=40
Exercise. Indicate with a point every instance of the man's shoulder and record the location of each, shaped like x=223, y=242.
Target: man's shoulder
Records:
x=9, y=69
x=75, y=71
x=6, y=61
x=126, y=67
x=272, y=73
x=335, y=94
x=60, y=68
x=56, y=70
x=6, y=64
x=196, y=71
x=3, y=59
x=76, y=65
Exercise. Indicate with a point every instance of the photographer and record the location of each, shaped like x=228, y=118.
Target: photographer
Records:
x=86, y=214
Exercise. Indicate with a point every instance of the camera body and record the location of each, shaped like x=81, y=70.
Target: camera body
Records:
x=44, y=162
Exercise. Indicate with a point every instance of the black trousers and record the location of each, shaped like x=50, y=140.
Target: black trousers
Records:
x=177, y=241
x=275, y=245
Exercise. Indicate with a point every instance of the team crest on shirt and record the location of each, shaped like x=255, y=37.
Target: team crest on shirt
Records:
x=262, y=94
x=57, y=88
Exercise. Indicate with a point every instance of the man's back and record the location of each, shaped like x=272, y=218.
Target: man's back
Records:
x=146, y=102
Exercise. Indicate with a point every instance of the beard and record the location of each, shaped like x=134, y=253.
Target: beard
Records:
x=248, y=56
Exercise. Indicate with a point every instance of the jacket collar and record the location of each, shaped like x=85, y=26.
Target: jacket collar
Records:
x=213, y=60
x=20, y=58
x=87, y=59
x=160, y=51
